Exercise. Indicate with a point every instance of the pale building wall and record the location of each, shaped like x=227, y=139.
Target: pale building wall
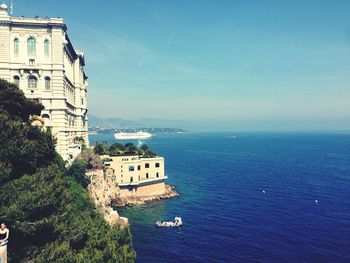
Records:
x=143, y=191
x=138, y=177
x=152, y=171
x=65, y=98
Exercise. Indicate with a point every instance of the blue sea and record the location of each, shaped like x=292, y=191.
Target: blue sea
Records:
x=248, y=197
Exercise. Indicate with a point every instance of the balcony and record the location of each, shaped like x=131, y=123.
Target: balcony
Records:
x=144, y=181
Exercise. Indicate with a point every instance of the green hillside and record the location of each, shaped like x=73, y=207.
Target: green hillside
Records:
x=50, y=215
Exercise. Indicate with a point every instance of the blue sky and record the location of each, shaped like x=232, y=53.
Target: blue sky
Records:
x=219, y=65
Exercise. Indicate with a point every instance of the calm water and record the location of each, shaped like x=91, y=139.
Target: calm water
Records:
x=228, y=218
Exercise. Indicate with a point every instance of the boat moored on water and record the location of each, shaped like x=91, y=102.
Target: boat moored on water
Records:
x=132, y=135
x=176, y=223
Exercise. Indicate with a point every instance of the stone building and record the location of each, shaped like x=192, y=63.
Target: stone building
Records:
x=38, y=56
x=137, y=177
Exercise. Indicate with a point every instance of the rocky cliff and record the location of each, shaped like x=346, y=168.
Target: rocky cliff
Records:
x=103, y=189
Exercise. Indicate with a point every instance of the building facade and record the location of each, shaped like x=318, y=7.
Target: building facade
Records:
x=38, y=56
x=138, y=177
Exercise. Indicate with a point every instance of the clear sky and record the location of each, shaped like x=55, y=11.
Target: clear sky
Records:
x=220, y=65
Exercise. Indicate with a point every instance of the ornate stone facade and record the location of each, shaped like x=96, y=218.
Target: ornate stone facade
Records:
x=39, y=57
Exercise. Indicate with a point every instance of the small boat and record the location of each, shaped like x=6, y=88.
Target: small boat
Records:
x=176, y=223
x=132, y=135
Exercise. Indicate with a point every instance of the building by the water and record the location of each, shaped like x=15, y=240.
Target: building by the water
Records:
x=38, y=56
x=138, y=177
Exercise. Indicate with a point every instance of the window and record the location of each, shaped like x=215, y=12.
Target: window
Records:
x=31, y=46
x=47, y=83
x=16, y=80
x=147, y=175
x=131, y=179
x=31, y=62
x=32, y=82
x=16, y=46
x=131, y=168
x=146, y=165
x=82, y=101
x=139, y=167
x=46, y=47
x=157, y=174
x=157, y=165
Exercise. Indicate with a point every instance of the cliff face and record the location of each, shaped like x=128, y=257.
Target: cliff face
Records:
x=103, y=189
x=105, y=192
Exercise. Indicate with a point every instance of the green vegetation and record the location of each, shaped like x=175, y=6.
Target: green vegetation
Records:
x=86, y=160
x=77, y=171
x=80, y=140
x=49, y=213
x=115, y=149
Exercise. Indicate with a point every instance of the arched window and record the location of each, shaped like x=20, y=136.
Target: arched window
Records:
x=47, y=83
x=16, y=80
x=32, y=82
x=31, y=46
x=16, y=46
x=47, y=47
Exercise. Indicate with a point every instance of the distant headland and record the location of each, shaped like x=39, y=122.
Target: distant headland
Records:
x=109, y=125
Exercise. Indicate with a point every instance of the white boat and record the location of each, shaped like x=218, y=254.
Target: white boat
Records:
x=132, y=135
x=176, y=223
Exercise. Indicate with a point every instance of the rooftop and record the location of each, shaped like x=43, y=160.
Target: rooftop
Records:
x=37, y=21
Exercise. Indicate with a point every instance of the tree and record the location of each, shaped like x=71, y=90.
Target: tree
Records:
x=50, y=214
x=90, y=158
x=147, y=152
x=80, y=140
x=13, y=101
x=102, y=149
x=116, y=149
x=130, y=148
x=24, y=148
x=144, y=147
x=77, y=170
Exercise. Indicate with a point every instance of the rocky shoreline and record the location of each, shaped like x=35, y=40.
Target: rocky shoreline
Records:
x=105, y=193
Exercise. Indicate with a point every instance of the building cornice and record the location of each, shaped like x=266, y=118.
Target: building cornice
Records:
x=70, y=49
x=34, y=22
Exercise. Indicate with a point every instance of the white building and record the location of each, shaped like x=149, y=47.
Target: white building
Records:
x=37, y=55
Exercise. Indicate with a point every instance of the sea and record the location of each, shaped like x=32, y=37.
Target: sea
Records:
x=248, y=197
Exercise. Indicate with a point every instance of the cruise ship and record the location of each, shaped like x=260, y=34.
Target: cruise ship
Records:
x=132, y=135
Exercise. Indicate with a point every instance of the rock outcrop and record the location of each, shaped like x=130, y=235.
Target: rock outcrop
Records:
x=103, y=189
